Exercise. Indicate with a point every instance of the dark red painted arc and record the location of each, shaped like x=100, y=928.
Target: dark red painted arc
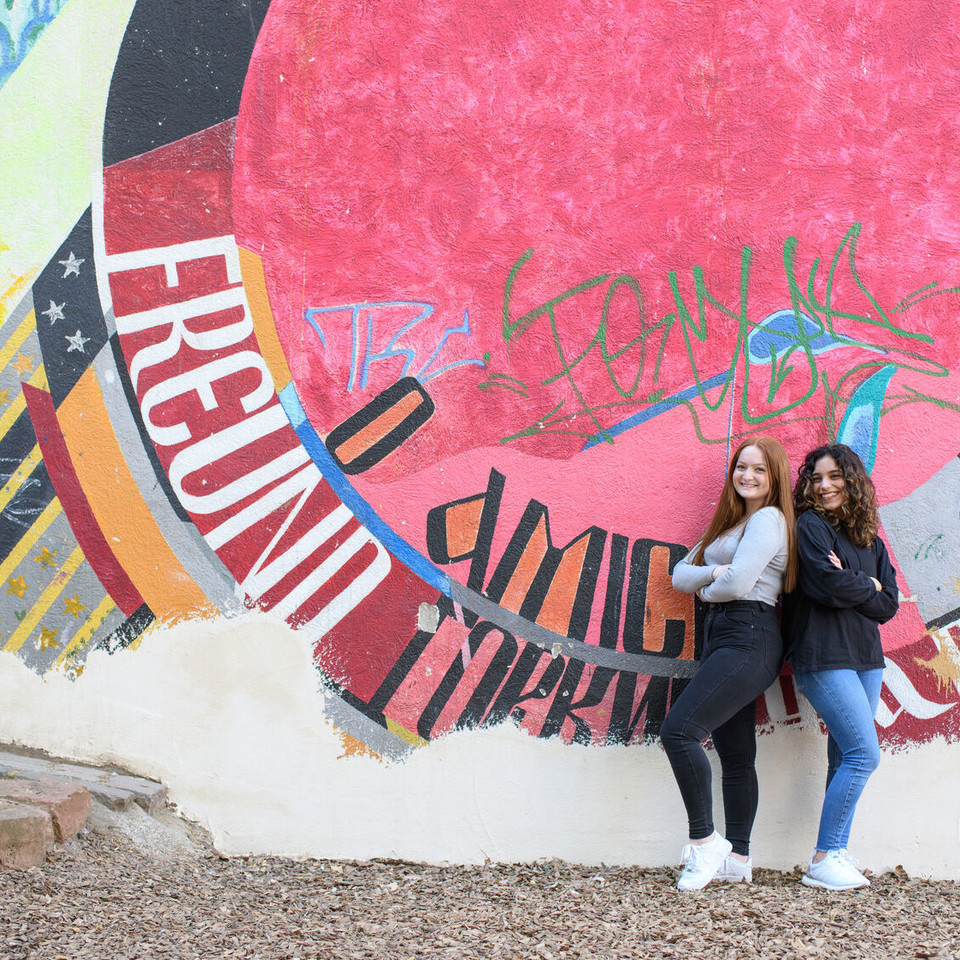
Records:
x=66, y=483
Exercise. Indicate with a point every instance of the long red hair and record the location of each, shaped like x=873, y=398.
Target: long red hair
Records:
x=732, y=509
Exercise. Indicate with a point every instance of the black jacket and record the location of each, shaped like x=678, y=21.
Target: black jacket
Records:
x=831, y=619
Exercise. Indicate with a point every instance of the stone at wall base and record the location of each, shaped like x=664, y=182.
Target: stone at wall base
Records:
x=26, y=833
x=110, y=788
x=68, y=804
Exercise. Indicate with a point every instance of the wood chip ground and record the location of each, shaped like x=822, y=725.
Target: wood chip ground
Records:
x=101, y=897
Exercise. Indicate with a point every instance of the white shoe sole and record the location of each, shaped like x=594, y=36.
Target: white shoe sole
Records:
x=809, y=881
x=685, y=882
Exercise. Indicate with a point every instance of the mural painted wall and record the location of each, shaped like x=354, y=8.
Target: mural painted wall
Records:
x=429, y=329
x=21, y=24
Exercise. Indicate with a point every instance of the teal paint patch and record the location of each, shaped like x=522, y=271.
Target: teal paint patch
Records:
x=860, y=427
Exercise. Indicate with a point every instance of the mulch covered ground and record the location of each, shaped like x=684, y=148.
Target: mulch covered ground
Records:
x=103, y=898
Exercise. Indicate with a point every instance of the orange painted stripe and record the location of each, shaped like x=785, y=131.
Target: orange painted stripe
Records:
x=527, y=568
x=121, y=511
x=463, y=525
x=558, y=605
x=663, y=604
x=377, y=429
x=255, y=287
x=73, y=499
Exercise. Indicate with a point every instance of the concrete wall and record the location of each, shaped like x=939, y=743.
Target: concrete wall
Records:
x=366, y=367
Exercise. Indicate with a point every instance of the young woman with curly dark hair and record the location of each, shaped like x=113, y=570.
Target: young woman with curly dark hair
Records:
x=846, y=588
x=744, y=560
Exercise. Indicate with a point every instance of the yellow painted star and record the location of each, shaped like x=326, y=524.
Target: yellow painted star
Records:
x=17, y=586
x=4, y=396
x=23, y=364
x=48, y=639
x=46, y=558
x=74, y=606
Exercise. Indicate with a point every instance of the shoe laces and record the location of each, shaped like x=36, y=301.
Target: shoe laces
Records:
x=845, y=856
x=692, y=854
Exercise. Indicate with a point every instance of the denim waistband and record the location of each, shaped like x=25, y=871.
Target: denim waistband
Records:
x=741, y=605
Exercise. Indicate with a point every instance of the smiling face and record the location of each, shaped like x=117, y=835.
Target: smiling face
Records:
x=751, y=478
x=828, y=484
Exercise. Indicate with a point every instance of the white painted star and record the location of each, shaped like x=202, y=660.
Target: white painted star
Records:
x=55, y=312
x=71, y=265
x=76, y=342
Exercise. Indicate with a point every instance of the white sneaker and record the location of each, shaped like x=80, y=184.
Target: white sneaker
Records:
x=701, y=861
x=853, y=861
x=834, y=872
x=733, y=870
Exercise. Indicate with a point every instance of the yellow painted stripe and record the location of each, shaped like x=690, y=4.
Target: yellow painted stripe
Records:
x=122, y=514
x=53, y=590
x=153, y=627
x=29, y=539
x=20, y=476
x=82, y=637
x=18, y=404
x=13, y=294
x=255, y=287
x=10, y=415
x=18, y=338
x=414, y=739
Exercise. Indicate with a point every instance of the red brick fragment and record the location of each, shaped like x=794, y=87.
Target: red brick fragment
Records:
x=68, y=804
x=26, y=833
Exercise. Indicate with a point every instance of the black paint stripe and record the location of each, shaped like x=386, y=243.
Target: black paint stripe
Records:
x=21, y=513
x=945, y=620
x=180, y=70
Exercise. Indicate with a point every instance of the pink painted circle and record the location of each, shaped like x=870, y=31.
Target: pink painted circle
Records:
x=563, y=218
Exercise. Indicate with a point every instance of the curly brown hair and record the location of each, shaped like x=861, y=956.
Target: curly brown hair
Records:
x=858, y=513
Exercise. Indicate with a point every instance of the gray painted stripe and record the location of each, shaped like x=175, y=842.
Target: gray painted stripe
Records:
x=203, y=565
x=642, y=663
x=85, y=585
x=16, y=315
x=370, y=734
x=57, y=537
x=10, y=378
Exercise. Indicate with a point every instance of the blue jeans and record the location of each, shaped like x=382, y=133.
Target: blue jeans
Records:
x=847, y=703
x=742, y=652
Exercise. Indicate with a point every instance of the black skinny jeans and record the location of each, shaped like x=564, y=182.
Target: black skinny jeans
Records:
x=742, y=655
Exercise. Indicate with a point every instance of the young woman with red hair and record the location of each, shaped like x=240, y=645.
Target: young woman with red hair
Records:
x=744, y=561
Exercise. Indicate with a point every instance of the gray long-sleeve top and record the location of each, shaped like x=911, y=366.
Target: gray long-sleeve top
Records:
x=756, y=554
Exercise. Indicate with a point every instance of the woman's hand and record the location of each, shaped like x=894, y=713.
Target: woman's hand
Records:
x=835, y=560
x=719, y=570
